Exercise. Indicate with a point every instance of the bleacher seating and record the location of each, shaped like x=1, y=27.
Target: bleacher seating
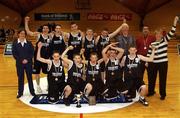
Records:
x=172, y=46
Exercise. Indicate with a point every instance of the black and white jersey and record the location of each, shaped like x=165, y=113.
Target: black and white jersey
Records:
x=75, y=41
x=102, y=43
x=113, y=69
x=45, y=50
x=93, y=72
x=162, y=47
x=75, y=75
x=89, y=47
x=132, y=67
x=58, y=44
x=56, y=72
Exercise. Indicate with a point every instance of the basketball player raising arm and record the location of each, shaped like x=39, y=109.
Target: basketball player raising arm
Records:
x=114, y=83
x=75, y=74
x=74, y=39
x=102, y=41
x=105, y=33
x=93, y=74
x=88, y=43
x=45, y=38
x=58, y=40
x=111, y=55
x=56, y=77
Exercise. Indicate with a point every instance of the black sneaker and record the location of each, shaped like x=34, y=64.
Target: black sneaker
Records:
x=143, y=101
x=162, y=98
x=66, y=102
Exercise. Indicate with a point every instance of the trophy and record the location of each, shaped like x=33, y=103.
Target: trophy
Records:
x=92, y=100
x=78, y=98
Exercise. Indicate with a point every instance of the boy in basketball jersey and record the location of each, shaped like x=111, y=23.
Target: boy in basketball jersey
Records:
x=56, y=77
x=132, y=73
x=58, y=42
x=93, y=74
x=45, y=38
x=114, y=82
x=75, y=40
x=89, y=43
x=103, y=40
x=75, y=74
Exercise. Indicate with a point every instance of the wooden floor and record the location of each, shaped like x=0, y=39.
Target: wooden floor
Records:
x=10, y=107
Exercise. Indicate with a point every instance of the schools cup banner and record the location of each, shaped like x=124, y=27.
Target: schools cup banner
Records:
x=56, y=16
x=8, y=48
x=109, y=16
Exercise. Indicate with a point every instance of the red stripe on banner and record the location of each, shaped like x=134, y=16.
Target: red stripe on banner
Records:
x=81, y=115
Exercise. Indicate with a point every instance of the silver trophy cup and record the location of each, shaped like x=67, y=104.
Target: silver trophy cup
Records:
x=78, y=98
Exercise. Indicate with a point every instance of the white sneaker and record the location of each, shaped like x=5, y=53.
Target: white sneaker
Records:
x=143, y=101
x=39, y=90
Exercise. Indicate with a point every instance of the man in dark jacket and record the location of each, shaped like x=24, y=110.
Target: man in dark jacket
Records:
x=23, y=53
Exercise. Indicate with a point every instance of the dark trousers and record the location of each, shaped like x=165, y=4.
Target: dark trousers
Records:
x=153, y=69
x=142, y=67
x=130, y=83
x=20, y=72
x=55, y=88
x=114, y=85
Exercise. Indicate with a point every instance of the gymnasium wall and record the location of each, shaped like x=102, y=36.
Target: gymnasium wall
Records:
x=97, y=6
x=8, y=18
x=162, y=17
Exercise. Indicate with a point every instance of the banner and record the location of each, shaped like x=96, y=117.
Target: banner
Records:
x=8, y=49
x=56, y=16
x=109, y=16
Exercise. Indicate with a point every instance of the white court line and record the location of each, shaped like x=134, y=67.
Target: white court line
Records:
x=61, y=108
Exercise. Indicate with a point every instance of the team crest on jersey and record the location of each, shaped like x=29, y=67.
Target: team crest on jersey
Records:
x=116, y=62
x=137, y=60
x=79, y=38
x=97, y=66
x=60, y=37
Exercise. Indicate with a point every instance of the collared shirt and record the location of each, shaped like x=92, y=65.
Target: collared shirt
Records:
x=142, y=44
x=22, y=42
